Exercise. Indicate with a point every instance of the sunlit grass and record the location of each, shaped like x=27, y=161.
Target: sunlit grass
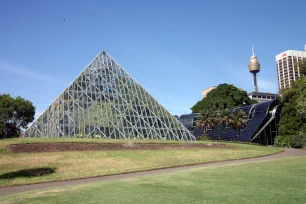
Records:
x=71, y=165
x=277, y=182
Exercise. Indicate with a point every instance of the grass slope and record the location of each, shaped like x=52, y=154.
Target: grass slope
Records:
x=71, y=165
x=279, y=181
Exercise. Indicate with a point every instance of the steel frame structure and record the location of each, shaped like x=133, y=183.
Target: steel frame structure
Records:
x=104, y=101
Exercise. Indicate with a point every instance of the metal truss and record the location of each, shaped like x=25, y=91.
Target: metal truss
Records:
x=104, y=101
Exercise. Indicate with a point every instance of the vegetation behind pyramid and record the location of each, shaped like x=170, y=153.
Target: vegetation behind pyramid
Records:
x=105, y=101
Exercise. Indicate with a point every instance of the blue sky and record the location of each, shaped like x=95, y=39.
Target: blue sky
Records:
x=173, y=48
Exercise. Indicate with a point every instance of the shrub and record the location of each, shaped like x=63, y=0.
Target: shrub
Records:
x=295, y=141
x=299, y=140
x=97, y=136
x=283, y=141
x=83, y=135
x=80, y=135
x=203, y=138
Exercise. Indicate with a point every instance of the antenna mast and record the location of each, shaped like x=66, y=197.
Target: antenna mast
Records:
x=253, y=51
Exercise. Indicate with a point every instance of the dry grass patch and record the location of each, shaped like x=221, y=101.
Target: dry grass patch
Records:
x=71, y=165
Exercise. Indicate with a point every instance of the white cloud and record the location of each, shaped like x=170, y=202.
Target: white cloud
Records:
x=8, y=67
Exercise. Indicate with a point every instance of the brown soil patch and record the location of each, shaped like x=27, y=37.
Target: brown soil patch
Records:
x=77, y=146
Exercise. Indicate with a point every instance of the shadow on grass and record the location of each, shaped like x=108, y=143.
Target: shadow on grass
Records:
x=35, y=172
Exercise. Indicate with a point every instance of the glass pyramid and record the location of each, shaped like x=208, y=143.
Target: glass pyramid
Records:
x=104, y=101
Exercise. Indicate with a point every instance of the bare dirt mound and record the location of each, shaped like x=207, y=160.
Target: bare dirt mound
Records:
x=78, y=146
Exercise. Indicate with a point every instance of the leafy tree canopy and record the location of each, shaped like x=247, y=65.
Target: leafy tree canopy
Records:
x=225, y=96
x=293, y=118
x=302, y=67
x=292, y=125
x=16, y=113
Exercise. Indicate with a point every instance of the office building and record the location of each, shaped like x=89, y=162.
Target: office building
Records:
x=287, y=69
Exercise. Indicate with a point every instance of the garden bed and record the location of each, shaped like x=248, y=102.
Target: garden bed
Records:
x=77, y=146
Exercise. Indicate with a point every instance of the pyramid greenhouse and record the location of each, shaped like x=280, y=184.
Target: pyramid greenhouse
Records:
x=104, y=101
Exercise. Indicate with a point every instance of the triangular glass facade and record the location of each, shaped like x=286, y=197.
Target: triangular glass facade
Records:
x=104, y=101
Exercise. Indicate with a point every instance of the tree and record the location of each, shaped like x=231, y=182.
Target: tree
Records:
x=206, y=121
x=293, y=118
x=225, y=96
x=302, y=66
x=224, y=119
x=301, y=100
x=15, y=114
x=301, y=106
x=292, y=125
x=238, y=120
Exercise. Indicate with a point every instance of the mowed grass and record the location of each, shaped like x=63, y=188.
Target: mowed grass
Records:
x=277, y=181
x=72, y=165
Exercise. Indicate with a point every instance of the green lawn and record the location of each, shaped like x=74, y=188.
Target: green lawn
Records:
x=277, y=181
x=71, y=165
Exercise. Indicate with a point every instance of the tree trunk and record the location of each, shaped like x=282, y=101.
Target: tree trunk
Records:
x=224, y=132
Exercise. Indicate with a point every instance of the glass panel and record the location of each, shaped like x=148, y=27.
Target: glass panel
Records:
x=105, y=100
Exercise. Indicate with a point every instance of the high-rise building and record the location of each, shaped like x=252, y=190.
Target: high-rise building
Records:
x=104, y=101
x=287, y=69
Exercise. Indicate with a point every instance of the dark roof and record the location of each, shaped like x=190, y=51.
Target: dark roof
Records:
x=255, y=119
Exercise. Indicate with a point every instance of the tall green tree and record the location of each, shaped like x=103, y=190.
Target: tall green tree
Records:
x=235, y=119
x=238, y=121
x=207, y=120
x=225, y=120
x=225, y=96
x=301, y=106
x=15, y=113
x=302, y=66
x=293, y=118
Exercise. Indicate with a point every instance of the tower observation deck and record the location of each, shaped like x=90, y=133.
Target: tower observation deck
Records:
x=254, y=68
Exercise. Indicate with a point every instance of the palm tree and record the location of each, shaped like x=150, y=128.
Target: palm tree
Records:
x=206, y=121
x=238, y=120
x=224, y=120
